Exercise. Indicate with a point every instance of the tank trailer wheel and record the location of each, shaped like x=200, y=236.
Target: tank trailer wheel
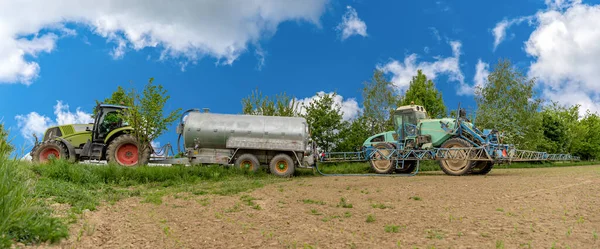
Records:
x=379, y=163
x=409, y=167
x=48, y=150
x=247, y=162
x=482, y=168
x=282, y=165
x=456, y=167
x=123, y=150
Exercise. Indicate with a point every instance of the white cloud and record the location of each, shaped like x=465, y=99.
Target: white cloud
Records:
x=351, y=24
x=349, y=107
x=499, y=31
x=183, y=29
x=565, y=49
x=402, y=72
x=482, y=71
x=35, y=123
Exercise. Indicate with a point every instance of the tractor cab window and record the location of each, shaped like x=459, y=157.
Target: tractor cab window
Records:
x=109, y=122
x=377, y=139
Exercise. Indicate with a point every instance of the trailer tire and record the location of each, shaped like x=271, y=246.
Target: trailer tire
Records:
x=456, y=167
x=282, y=165
x=409, y=167
x=382, y=166
x=247, y=162
x=46, y=150
x=123, y=150
x=482, y=168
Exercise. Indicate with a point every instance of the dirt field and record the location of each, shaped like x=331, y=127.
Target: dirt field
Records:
x=516, y=208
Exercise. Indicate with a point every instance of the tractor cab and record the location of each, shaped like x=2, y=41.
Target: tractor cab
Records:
x=406, y=119
x=107, y=119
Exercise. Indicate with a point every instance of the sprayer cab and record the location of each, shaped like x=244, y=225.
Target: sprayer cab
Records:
x=406, y=119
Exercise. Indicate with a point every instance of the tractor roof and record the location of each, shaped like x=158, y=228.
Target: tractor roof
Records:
x=416, y=108
x=113, y=106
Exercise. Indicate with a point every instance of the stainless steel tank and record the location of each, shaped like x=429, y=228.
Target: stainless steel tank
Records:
x=211, y=130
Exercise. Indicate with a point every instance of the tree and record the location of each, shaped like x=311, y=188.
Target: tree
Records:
x=324, y=119
x=507, y=103
x=118, y=97
x=257, y=104
x=353, y=134
x=587, y=146
x=5, y=147
x=423, y=92
x=145, y=114
x=559, y=124
x=379, y=103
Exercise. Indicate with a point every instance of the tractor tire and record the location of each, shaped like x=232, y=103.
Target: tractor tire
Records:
x=456, y=167
x=247, y=162
x=123, y=151
x=49, y=149
x=282, y=165
x=378, y=163
x=409, y=167
x=482, y=168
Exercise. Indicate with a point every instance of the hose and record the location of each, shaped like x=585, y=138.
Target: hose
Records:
x=181, y=125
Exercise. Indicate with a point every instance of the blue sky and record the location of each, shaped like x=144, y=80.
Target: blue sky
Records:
x=214, y=54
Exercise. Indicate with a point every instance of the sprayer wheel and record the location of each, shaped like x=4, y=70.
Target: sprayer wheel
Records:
x=247, y=162
x=282, y=165
x=409, y=167
x=482, y=168
x=379, y=163
x=456, y=167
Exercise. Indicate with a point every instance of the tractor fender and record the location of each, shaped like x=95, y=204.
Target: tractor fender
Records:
x=111, y=134
x=70, y=148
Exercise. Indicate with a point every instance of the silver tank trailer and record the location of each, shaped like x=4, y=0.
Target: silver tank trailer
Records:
x=227, y=131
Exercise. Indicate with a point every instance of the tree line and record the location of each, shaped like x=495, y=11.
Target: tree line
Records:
x=507, y=102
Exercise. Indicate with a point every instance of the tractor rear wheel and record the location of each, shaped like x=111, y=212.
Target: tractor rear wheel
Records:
x=247, y=162
x=409, y=167
x=456, y=167
x=123, y=150
x=378, y=161
x=48, y=150
x=482, y=168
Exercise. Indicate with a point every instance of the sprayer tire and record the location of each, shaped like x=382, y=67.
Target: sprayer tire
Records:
x=282, y=165
x=409, y=167
x=247, y=162
x=482, y=168
x=448, y=165
x=383, y=166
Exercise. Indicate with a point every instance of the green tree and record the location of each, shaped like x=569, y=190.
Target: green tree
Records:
x=423, y=92
x=5, y=146
x=146, y=116
x=559, y=124
x=353, y=134
x=324, y=119
x=587, y=146
x=118, y=97
x=508, y=103
x=281, y=105
x=379, y=103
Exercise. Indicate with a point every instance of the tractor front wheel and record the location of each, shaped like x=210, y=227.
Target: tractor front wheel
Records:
x=459, y=166
x=52, y=149
x=123, y=150
x=379, y=163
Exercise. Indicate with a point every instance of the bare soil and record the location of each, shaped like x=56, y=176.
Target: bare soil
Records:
x=508, y=208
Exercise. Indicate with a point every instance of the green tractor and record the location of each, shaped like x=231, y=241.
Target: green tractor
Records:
x=108, y=138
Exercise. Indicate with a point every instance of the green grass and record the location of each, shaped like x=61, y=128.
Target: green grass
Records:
x=370, y=218
x=391, y=228
x=23, y=217
x=343, y=203
x=309, y=201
